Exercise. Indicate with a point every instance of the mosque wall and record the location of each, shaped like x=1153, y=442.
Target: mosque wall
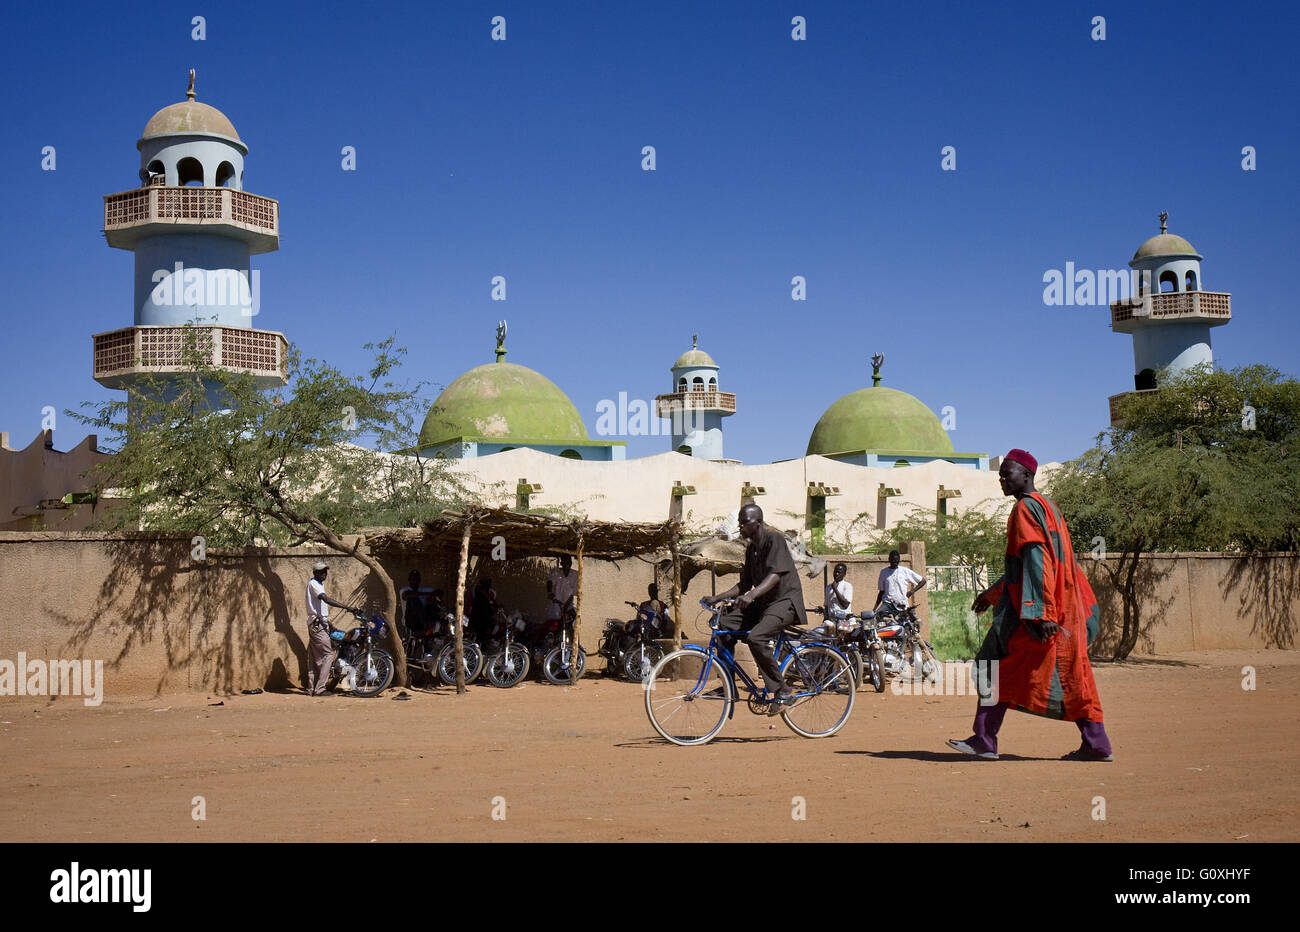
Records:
x=641, y=489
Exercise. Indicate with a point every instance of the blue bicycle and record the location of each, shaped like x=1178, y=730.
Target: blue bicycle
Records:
x=690, y=693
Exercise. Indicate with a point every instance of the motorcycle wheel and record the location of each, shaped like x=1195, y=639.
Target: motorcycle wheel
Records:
x=877, y=662
x=553, y=666
x=447, y=663
x=641, y=659
x=509, y=667
x=374, y=673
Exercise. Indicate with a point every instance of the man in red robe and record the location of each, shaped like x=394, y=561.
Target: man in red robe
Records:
x=1044, y=617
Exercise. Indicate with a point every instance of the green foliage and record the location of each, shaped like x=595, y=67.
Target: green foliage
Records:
x=1184, y=473
x=281, y=466
x=1187, y=470
x=976, y=537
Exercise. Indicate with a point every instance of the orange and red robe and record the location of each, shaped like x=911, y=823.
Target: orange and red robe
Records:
x=1042, y=582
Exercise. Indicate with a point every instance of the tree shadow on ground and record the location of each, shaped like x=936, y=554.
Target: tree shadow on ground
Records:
x=1268, y=589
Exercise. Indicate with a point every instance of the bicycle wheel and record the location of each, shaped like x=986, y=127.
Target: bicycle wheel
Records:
x=823, y=689
x=509, y=667
x=564, y=664
x=876, y=659
x=374, y=673
x=641, y=660
x=856, y=665
x=688, y=696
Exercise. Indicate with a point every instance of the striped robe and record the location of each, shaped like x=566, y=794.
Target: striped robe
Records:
x=1043, y=582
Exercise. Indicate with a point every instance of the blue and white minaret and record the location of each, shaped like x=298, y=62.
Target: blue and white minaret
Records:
x=193, y=229
x=1171, y=315
x=695, y=406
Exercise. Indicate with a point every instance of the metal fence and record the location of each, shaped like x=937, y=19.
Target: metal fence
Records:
x=955, y=578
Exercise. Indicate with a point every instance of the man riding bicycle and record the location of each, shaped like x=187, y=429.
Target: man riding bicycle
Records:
x=768, y=598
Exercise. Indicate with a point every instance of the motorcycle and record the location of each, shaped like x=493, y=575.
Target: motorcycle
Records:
x=631, y=648
x=363, y=667
x=906, y=653
x=434, y=655
x=508, y=660
x=856, y=638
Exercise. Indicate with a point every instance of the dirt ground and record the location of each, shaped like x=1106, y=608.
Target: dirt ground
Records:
x=1198, y=758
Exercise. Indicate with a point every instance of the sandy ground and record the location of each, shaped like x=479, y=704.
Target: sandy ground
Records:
x=1198, y=758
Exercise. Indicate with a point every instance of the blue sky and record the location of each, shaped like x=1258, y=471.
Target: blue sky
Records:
x=775, y=158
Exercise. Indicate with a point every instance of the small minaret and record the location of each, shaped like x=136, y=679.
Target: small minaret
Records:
x=695, y=405
x=1171, y=314
x=192, y=229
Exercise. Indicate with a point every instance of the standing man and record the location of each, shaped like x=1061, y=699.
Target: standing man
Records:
x=770, y=598
x=320, y=650
x=1044, y=617
x=897, y=584
x=561, y=587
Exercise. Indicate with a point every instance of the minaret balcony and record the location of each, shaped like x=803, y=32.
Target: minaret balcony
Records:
x=1213, y=307
x=667, y=405
x=123, y=356
x=132, y=215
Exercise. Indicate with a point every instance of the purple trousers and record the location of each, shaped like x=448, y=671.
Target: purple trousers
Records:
x=988, y=720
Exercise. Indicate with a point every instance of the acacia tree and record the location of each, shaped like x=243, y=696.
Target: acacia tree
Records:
x=1208, y=462
x=284, y=466
x=975, y=537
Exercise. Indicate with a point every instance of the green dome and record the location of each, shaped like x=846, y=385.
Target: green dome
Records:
x=694, y=357
x=879, y=418
x=1165, y=244
x=503, y=401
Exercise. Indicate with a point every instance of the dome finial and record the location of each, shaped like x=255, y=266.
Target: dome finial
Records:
x=695, y=340
x=189, y=94
x=501, y=340
x=1164, y=216
x=877, y=361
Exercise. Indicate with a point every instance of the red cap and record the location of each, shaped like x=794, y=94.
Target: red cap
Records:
x=1024, y=459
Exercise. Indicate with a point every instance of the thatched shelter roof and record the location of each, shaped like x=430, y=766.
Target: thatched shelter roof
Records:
x=528, y=534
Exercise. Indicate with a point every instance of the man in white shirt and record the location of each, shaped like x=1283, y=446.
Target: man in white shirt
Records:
x=897, y=584
x=320, y=650
x=561, y=587
x=839, y=595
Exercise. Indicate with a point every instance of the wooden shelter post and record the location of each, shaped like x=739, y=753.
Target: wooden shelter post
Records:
x=577, y=614
x=677, y=590
x=460, y=607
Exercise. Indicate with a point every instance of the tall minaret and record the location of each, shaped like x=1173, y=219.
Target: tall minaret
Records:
x=695, y=405
x=193, y=230
x=1171, y=315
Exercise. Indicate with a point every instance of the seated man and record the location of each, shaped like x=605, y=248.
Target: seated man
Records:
x=411, y=600
x=839, y=604
x=661, y=625
x=483, y=611
x=768, y=598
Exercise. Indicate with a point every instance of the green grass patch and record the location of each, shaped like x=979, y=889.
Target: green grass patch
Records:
x=955, y=632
